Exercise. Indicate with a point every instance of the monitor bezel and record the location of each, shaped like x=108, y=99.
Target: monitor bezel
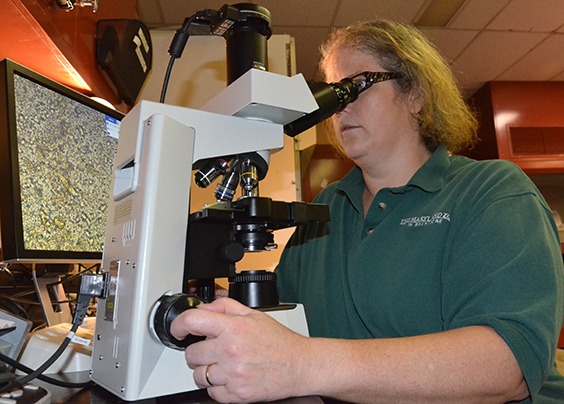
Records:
x=11, y=221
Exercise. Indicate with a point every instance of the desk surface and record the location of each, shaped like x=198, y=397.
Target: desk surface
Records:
x=97, y=395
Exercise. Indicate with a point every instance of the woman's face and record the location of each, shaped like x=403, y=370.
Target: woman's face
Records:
x=379, y=124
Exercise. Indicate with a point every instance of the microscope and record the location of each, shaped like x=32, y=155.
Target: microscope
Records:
x=154, y=249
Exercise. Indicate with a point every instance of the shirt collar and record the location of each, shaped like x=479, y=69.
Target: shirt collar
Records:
x=429, y=177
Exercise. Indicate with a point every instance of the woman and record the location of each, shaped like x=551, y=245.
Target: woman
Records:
x=439, y=278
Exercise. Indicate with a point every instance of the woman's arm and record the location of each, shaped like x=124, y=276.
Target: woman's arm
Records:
x=254, y=358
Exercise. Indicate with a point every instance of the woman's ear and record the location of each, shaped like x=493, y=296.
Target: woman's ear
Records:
x=415, y=101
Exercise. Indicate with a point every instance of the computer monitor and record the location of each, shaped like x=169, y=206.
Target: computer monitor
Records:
x=57, y=149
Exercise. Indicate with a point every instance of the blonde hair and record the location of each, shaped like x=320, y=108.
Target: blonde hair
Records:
x=444, y=117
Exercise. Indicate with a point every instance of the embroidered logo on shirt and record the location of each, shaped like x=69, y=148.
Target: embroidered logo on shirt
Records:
x=417, y=221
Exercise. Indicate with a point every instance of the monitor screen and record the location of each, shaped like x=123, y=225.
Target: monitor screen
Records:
x=57, y=149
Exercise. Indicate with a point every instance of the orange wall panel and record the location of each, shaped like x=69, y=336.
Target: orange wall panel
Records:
x=61, y=44
x=530, y=113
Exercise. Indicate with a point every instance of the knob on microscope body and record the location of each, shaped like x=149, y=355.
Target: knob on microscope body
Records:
x=167, y=308
x=255, y=289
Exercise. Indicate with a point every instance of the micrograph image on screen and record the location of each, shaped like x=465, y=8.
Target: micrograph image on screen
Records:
x=65, y=155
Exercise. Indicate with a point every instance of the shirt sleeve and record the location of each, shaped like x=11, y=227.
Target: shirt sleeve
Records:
x=505, y=271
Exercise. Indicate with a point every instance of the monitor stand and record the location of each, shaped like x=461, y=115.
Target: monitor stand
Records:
x=55, y=310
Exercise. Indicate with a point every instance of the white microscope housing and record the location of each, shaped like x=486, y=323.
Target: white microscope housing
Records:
x=148, y=217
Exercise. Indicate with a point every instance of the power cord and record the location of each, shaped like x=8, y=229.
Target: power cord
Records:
x=91, y=286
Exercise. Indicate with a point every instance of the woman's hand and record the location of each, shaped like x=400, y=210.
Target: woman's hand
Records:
x=248, y=356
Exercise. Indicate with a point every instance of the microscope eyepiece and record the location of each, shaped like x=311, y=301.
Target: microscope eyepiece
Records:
x=334, y=97
x=331, y=98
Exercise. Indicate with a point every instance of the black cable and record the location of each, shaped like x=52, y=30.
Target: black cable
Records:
x=20, y=295
x=68, y=278
x=17, y=298
x=78, y=274
x=4, y=268
x=83, y=302
x=166, y=79
x=80, y=307
x=12, y=305
x=177, y=46
x=47, y=379
x=36, y=373
x=6, y=380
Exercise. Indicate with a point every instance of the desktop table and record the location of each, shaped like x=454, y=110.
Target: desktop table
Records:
x=97, y=395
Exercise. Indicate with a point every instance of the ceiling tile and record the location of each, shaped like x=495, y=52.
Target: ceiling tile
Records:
x=351, y=11
x=525, y=16
x=176, y=11
x=529, y=68
x=287, y=12
x=559, y=77
x=491, y=53
x=476, y=14
x=313, y=13
x=451, y=43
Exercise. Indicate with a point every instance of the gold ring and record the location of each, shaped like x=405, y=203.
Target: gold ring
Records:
x=208, y=375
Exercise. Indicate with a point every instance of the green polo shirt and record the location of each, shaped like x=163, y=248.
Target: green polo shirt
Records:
x=463, y=243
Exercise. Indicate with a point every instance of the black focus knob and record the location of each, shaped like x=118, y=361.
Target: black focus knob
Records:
x=232, y=252
x=168, y=308
x=255, y=289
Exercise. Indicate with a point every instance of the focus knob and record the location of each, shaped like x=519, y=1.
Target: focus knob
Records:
x=168, y=308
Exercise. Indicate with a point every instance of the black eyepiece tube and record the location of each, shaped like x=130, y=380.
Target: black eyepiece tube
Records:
x=331, y=98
